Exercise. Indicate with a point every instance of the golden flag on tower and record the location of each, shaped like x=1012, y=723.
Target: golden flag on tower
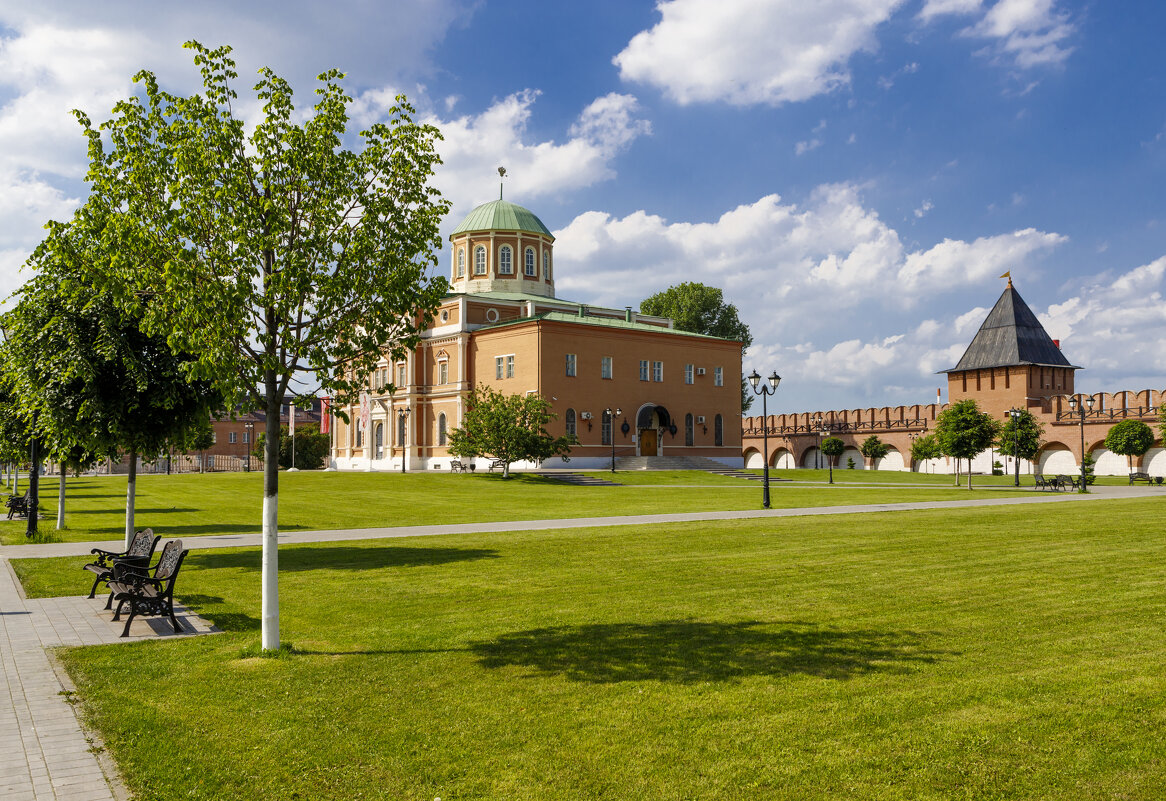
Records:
x=1007, y=274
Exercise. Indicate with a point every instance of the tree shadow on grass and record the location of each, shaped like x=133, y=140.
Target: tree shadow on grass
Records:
x=338, y=556
x=137, y=511
x=685, y=652
x=226, y=621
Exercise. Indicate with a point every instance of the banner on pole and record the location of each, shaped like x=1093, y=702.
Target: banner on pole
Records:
x=364, y=412
x=325, y=416
x=291, y=419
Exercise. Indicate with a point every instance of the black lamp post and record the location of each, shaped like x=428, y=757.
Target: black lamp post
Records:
x=1014, y=413
x=611, y=430
x=402, y=416
x=1079, y=409
x=819, y=430
x=250, y=429
x=764, y=391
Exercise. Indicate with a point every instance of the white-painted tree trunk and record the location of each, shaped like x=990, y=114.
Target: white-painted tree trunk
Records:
x=61, y=500
x=131, y=488
x=270, y=584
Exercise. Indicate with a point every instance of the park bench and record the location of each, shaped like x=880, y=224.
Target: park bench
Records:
x=456, y=467
x=499, y=463
x=148, y=591
x=1068, y=481
x=17, y=505
x=1141, y=477
x=139, y=553
x=1045, y=483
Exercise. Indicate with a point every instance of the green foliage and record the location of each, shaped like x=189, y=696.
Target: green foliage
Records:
x=702, y=309
x=1130, y=438
x=311, y=447
x=874, y=448
x=510, y=428
x=850, y=463
x=926, y=447
x=964, y=431
x=1087, y=468
x=833, y=447
x=1162, y=421
x=1020, y=437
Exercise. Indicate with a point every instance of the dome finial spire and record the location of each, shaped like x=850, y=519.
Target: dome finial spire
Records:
x=501, y=174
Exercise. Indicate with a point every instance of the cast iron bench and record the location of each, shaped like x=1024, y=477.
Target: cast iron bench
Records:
x=456, y=467
x=17, y=505
x=1068, y=481
x=148, y=591
x=139, y=553
x=497, y=463
x=1042, y=482
x=1141, y=477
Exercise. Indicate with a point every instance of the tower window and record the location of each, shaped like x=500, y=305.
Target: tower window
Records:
x=547, y=264
x=461, y=262
x=505, y=262
x=480, y=260
x=531, y=267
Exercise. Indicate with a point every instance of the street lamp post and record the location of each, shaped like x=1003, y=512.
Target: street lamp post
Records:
x=611, y=430
x=1079, y=409
x=819, y=431
x=402, y=416
x=764, y=391
x=1014, y=413
x=250, y=428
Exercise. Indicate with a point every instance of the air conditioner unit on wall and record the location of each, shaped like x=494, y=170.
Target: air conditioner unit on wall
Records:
x=700, y=419
x=585, y=415
x=700, y=371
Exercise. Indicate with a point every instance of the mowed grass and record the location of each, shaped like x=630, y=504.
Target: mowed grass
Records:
x=231, y=503
x=1003, y=652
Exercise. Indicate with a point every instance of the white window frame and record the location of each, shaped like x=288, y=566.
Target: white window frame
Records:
x=718, y=376
x=441, y=430
x=443, y=371
x=505, y=260
x=510, y=366
x=530, y=265
x=402, y=378
x=644, y=369
x=605, y=367
x=233, y=437
x=572, y=363
x=461, y=262
x=499, y=367
x=546, y=264
x=689, y=373
x=657, y=371
x=480, y=260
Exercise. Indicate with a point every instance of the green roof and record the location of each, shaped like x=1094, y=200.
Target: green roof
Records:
x=502, y=215
x=607, y=322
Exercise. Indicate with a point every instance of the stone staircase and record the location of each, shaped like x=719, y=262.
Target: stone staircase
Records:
x=581, y=479
x=683, y=463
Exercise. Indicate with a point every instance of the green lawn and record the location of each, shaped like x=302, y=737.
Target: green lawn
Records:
x=991, y=653
x=231, y=503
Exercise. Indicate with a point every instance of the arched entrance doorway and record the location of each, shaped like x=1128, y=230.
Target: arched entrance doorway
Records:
x=651, y=423
x=380, y=441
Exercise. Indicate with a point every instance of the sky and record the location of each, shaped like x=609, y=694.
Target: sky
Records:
x=854, y=174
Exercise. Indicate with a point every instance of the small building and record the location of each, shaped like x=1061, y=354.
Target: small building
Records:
x=501, y=325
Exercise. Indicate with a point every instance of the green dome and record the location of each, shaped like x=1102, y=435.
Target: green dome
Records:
x=502, y=215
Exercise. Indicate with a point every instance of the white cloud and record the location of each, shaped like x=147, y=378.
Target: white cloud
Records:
x=475, y=145
x=935, y=8
x=752, y=51
x=1028, y=33
x=801, y=148
x=955, y=262
x=922, y=210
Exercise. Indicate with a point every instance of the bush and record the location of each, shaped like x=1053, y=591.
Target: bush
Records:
x=850, y=463
x=311, y=447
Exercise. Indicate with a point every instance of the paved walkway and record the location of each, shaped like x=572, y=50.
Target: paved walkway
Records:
x=45, y=753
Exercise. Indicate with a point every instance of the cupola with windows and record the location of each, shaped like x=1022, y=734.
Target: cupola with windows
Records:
x=502, y=247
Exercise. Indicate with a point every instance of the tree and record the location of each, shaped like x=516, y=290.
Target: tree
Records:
x=89, y=382
x=702, y=309
x=1020, y=437
x=280, y=251
x=924, y=448
x=832, y=448
x=311, y=447
x=510, y=428
x=1130, y=438
x=1162, y=421
x=964, y=431
x=874, y=448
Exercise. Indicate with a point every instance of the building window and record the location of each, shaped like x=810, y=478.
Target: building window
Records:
x=546, y=264
x=505, y=263
x=480, y=260
x=689, y=432
x=401, y=430
x=400, y=375
x=510, y=367
x=443, y=372
x=605, y=367
x=441, y=429
x=246, y=437
x=718, y=376
x=570, y=419
x=643, y=369
x=571, y=364
x=461, y=262
x=531, y=267
x=233, y=437
x=214, y=437
x=605, y=428
x=657, y=371
x=359, y=433
x=498, y=367
x=689, y=371
x=719, y=430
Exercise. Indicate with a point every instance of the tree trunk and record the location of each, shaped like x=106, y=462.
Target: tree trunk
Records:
x=131, y=489
x=969, y=472
x=61, y=500
x=270, y=603
x=16, y=479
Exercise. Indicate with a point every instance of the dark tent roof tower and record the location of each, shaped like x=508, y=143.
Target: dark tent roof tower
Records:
x=1011, y=336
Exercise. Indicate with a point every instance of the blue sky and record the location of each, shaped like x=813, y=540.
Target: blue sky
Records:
x=855, y=174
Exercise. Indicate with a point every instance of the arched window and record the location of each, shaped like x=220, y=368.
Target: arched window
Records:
x=480, y=260
x=570, y=418
x=546, y=264
x=401, y=430
x=505, y=263
x=380, y=440
x=719, y=430
x=605, y=429
x=689, y=433
x=359, y=434
x=531, y=267
x=461, y=262
x=441, y=429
